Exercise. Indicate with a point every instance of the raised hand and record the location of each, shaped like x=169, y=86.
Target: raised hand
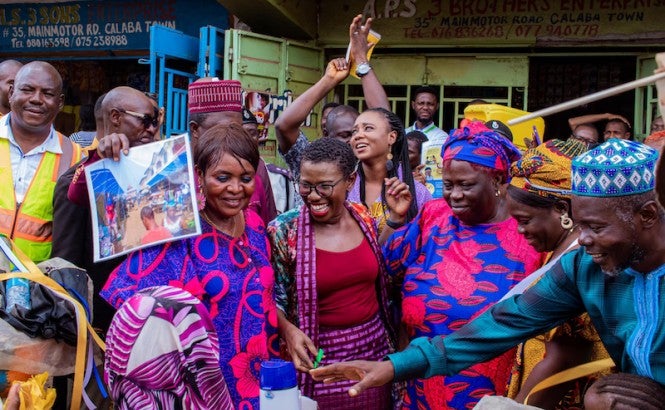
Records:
x=398, y=199
x=337, y=70
x=369, y=374
x=358, y=38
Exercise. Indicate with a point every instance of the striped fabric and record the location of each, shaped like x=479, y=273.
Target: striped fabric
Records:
x=366, y=341
x=163, y=353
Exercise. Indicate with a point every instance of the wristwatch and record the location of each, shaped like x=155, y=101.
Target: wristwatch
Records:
x=363, y=69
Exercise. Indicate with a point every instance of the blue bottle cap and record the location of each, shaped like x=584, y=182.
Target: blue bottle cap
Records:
x=277, y=375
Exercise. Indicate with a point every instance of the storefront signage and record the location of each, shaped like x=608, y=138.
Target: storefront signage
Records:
x=499, y=22
x=97, y=25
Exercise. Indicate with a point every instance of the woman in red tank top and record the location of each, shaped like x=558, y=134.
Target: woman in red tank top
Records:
x=331, y=282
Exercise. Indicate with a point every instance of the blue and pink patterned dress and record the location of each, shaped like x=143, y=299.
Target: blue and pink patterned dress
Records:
x=451, y=273
x=235, y=281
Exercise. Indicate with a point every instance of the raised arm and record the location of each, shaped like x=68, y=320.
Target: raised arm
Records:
x=375, y=95
x=591, y=118
x=287, y=126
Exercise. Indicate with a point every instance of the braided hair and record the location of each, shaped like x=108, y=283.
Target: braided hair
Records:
x=400, y=153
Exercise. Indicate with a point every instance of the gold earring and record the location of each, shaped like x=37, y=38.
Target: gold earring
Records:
x=566, y=222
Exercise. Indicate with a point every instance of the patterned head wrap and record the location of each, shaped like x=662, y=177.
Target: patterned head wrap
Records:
x=615, y=168
x=214, y=96
x=478, y=144
x=545, y=170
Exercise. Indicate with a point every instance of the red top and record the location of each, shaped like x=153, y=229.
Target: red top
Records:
x=346, y=286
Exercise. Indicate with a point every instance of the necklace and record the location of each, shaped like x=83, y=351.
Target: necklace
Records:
x=232, y=233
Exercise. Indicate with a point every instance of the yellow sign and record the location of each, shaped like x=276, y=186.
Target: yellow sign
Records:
x=500, y=22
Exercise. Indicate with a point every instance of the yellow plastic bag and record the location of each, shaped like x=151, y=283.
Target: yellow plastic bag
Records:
x=33, y=394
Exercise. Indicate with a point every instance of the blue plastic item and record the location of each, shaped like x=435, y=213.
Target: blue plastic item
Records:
x=277, y=375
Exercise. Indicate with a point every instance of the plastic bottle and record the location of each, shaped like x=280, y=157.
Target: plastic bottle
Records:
x=279, y=386
x=17, y=292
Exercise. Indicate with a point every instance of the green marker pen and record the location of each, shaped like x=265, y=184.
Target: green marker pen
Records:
x=318, y=358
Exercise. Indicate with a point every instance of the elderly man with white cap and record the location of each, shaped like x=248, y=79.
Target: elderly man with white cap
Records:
x=617, y=276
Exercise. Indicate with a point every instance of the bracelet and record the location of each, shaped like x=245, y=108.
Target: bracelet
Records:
x=394, y=225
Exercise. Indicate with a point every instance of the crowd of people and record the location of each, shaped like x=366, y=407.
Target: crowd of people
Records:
x=531, y=263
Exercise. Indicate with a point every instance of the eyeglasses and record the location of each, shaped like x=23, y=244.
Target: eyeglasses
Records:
x=324, y=190
x=146, y=119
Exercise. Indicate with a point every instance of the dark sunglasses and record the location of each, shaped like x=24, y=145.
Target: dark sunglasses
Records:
x=146, y=119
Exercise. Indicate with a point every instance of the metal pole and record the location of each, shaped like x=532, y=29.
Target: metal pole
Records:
x=589, y=98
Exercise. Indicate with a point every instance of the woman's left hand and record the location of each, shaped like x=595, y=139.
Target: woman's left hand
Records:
x=398, y=199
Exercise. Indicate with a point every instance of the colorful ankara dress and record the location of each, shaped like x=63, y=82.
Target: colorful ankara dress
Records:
x=452, y=272
x=298, y=294
x=234, y=280
x=178, y=369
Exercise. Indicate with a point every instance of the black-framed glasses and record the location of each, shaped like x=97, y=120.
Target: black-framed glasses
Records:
x=146, y=119
x=324, y=190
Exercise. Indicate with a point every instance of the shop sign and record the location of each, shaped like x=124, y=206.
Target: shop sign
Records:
x=100, y=25
x=499, y=22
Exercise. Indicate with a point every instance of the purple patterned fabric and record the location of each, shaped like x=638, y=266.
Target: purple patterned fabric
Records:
x=366, y=341
x=234, y=280
x=178, y=369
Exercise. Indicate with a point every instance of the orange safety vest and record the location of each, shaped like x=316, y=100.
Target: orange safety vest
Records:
x=31, y=225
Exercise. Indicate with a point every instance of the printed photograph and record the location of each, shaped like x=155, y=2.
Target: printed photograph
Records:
x=258, y=103
x=146, y=198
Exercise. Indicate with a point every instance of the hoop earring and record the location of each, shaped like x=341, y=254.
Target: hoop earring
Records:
x=389, y=164
x=566, y=222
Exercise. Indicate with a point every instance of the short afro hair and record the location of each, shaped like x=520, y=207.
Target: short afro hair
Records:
x=333, y=151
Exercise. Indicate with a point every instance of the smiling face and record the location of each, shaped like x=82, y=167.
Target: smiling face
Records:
x=372, y=136
x=324, y=209
x=228, y=186
x=609, y=236
x=541, y=227
x=470, y=193
x=36, y=97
